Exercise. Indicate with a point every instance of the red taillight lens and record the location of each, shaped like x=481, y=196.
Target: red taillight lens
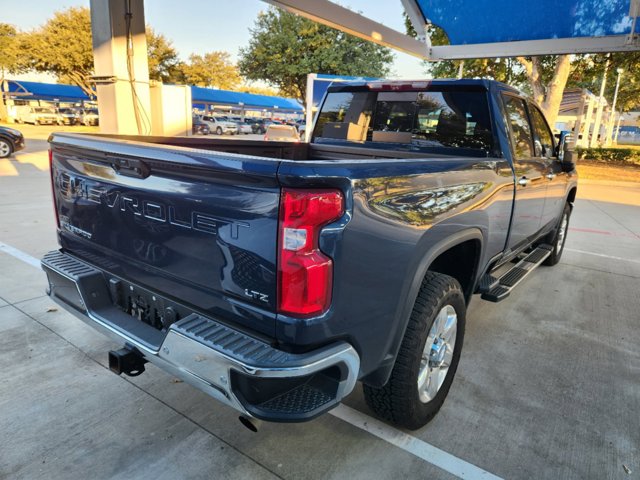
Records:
x=305, y=274
x=53, y=190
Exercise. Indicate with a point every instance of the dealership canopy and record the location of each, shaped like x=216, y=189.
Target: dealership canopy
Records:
x=492, y=28
x=52, y=92
x=248, y=101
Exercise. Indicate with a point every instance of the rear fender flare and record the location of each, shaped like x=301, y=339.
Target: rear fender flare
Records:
x=381, y=375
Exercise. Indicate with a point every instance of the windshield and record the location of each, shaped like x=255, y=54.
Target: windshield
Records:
x=43, y=110
x=413, y=120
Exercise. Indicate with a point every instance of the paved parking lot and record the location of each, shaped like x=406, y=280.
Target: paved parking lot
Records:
x=548, y=386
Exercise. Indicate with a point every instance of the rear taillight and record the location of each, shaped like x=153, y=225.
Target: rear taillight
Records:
x=53, y=189
x=305, y=274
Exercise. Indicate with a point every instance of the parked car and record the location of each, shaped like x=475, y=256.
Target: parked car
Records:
x=275, y=276
x=256, y=124
x=243, y=128
x=89, y=117
x=199, y=127
x=281, y=133
x=11, y=140
x=67, y=116
x=219, y=126
x=36, y=115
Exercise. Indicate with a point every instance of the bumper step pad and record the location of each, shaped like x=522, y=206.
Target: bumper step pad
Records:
x=496, y=290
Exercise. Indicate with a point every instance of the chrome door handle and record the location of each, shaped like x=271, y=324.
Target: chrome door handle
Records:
x=551, y=176
x=524, y=181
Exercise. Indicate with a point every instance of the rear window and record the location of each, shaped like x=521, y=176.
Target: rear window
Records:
x=415, y=120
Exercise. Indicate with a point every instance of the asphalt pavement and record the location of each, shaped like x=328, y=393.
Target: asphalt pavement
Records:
x=548, y=385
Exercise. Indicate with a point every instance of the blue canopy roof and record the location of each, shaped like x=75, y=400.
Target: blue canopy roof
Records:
x=46, y=91
x=248, y=100
x=477, y=21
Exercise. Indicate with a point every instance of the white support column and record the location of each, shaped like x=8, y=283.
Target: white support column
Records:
x=121, y=66
x=584, y=142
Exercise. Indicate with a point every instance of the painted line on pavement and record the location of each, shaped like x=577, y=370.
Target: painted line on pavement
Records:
x=602, y=255
x=421, y=449
x=20, y=255
x=603, y=232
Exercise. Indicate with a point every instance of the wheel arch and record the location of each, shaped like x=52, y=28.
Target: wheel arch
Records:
x=443, y=249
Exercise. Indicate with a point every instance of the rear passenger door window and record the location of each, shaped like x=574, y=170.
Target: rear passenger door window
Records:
x=519, y=125
x=542, y=138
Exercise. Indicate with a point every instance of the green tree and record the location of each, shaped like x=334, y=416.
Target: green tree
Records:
x=63, y=47
x=213, y=69
x=285, y=47
x=164, y=63
x=588, y=71
x=9, y=59
x=544, y=77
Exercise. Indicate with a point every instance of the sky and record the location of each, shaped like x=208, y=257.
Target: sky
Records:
x=202, y=26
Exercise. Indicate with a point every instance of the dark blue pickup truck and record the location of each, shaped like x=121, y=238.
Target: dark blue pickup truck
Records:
x=274, y=276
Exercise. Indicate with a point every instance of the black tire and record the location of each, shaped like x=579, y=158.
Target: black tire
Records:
x=6, y=149
x=399, y=400
x=558, y=238
x=218, y=131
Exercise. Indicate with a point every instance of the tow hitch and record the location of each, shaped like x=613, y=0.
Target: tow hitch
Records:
x=126, y=361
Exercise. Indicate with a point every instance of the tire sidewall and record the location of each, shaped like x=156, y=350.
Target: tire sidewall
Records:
x=2, y=140
x=556, y=253
x=426, y=410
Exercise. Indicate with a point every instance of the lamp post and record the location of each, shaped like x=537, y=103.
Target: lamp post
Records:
x=612, y=117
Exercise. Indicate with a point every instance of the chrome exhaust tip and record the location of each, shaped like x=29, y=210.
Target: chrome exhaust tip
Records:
x=252, y=424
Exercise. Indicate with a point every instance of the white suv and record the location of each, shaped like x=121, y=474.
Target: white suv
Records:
x=220, y=126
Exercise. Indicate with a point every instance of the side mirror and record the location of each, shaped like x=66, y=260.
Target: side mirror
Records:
x=565, y=152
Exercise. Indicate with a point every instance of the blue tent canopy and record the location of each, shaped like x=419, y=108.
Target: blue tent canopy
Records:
x=200, y=95
x=474, y=21
x=46, y=91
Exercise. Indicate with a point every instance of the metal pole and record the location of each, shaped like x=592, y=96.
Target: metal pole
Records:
x=618, y=129
x=612, y=117
x=596, y=126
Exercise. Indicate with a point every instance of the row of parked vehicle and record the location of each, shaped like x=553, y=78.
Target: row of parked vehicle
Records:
x=56, y=116
x=229, y=125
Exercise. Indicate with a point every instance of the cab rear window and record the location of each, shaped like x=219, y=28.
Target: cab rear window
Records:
x=415, y=120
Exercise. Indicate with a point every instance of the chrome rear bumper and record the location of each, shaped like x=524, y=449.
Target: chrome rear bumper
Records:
x=243, y=372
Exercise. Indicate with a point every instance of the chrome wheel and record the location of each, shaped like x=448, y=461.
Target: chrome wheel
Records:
x=437, y=354
x=5, y=149
x=562, y=232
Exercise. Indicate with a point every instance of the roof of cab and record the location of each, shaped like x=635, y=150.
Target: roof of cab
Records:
x=383, y=85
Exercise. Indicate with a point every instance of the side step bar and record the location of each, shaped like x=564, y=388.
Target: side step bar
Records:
x=497, y=289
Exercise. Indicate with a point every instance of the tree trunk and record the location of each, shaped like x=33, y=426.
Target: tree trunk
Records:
x=549, y=96
x=555, y=89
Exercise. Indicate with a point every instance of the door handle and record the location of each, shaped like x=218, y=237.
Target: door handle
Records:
x=524, y=181
x=550, y=176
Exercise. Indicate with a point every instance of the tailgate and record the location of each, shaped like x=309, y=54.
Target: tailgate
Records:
x=197, y=227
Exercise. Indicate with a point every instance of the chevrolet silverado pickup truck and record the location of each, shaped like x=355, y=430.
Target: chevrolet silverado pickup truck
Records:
x=275, y=276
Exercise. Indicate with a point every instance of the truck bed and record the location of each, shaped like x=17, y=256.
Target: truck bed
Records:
x=279, y=150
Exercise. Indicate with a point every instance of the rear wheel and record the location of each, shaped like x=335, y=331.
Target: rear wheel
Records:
x=559, y=237
x=5, y=148
x=218, y=131
x=428, y=356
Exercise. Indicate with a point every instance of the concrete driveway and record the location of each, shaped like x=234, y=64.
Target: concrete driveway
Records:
x=548, y=386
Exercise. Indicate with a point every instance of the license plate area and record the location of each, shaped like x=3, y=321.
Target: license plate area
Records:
x=144, y=305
